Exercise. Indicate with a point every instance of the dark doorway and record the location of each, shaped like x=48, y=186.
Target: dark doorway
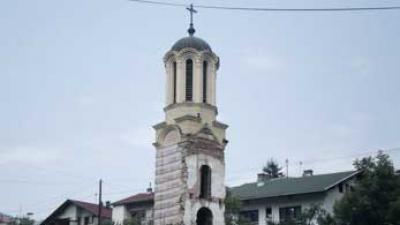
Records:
x=204, y=217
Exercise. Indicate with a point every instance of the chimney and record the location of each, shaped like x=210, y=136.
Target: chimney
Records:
x=149, y=189
x=261, y=177
x=108, y=204
x=308, y=173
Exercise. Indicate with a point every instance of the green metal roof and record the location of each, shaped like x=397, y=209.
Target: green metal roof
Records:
x=290, y=186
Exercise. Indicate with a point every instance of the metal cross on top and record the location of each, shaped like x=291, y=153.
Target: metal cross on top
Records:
x=191, y=28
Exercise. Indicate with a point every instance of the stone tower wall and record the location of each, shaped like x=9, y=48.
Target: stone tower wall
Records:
x=190, y=137
x=169, y=186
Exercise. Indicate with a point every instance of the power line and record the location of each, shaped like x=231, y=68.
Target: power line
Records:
x=173, y=4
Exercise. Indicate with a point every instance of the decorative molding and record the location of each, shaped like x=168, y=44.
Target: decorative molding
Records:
x=220, y=125
x=160, y=125
x=168, y=55
x=183, y=51
x=191, y=104
x=188, y=117
x=156, y=145
x=163, y=133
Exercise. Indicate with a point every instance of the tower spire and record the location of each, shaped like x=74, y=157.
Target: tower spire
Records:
x=191, y=29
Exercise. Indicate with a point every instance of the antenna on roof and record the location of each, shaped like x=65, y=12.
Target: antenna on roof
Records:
x=149, y=189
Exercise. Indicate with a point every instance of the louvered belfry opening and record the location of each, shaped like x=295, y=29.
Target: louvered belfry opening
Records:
x=174, y=83
x=189, y=80
x=205, y=182
x=205, y=67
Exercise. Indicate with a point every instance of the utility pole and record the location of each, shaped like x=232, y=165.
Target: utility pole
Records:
x=287, y=168
x=100, y=203
x=301, y=168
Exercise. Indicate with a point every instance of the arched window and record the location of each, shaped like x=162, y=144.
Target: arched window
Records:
x=205, y=67
x=205, y=182
x=189, y=80
x=174, y=83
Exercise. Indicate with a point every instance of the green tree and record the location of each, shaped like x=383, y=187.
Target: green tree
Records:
x=312, y=214
x=273, y=169
x=25, y=220
x=375, y=199
x=232, y=210
x=132, y=221
x=107, y=222
x=309, y=216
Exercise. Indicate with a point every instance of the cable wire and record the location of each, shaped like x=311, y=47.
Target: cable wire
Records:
x=269, y=9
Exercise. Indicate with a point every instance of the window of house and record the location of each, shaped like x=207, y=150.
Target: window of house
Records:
x=205, y=67
x=268, y=213
x=340, y=186
x=86, y=220
x=348, y=188
x=189, y=80
x=138, y=216
x=174, y=83
x=205, y=182
x=65, y=221
x=250, y=215
x=292, y=213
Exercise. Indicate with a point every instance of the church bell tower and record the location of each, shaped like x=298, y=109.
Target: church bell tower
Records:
x=190, y=143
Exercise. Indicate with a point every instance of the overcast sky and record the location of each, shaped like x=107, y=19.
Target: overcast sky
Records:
x=82, y=82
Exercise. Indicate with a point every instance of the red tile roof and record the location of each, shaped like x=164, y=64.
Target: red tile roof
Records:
x=106, y=213
x=94, y=208
x=141, y=197
x=5, y=218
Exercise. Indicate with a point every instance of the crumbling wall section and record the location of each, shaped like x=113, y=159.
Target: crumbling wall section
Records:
x=169, y=187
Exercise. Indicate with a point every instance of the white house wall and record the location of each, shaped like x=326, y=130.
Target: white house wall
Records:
x=81, y=213
x=77, y=215
x=119, y=214
x=71, y=213
x=325, y=199
x=333, y=195
x=275, y=203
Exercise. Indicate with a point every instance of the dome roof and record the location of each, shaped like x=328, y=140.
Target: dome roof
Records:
x=191, y=42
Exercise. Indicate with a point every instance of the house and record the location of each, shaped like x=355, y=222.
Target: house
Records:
x=73, y=212
x=5, y=219
x=139, y=206
x=262, y=201
x=284, y=198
